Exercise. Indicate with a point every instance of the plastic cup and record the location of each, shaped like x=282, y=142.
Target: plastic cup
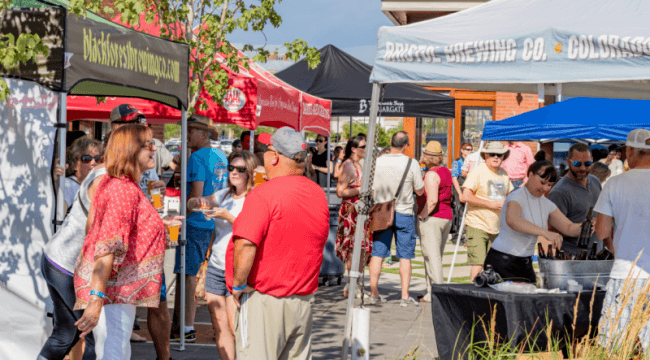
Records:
x=150, y=186
x=259, y=178
x=156, y=196
x=174, y=229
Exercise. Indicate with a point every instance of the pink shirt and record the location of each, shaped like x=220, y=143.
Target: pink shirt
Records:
x=520, y=158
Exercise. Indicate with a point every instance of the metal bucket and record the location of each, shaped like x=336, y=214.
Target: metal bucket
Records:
x=585, y=272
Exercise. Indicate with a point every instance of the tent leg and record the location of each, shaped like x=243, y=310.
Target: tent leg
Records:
x=462, y=227
x=558, y=97
x=540, y=95
x=329, y=165
x=63, y=106
x=252, y=141
x=184, y=227
x=361, y=218
x=351, y=134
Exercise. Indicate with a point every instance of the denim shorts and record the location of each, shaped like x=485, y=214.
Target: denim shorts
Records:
x=404, y=230
x=215, y=281
x=198, y=241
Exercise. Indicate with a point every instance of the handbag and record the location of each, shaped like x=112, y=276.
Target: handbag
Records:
x=199, y=292
x=382, y=215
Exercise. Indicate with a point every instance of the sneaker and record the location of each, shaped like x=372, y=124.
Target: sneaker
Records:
x=371, y=300
x=407, y=302
x=190, y=336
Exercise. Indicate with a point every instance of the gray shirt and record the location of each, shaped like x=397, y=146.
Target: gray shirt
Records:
x=574, y=200
x=162, y=157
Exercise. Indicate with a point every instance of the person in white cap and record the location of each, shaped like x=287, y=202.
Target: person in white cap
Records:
x=625, y=201
x=274, y=258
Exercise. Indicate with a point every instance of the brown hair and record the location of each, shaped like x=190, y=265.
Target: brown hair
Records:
x=431, y=160
x=251, y=165
x=121, y=156
x=465, y=144
x=78, y=147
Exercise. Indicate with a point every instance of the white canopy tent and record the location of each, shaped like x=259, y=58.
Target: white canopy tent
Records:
x=577, y=48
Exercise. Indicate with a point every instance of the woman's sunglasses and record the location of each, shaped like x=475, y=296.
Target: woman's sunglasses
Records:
x=87, y=158
x=579, y=163
x=149, y=145
x=495, y=155
x=361, y=147
x=321, y=141
x=468, y=149
x=240, y=169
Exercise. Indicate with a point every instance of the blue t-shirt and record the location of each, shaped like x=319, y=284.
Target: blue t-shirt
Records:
x=456, y=167
x=210, y=166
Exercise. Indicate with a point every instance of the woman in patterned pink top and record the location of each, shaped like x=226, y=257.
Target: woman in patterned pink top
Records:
x=121, y=262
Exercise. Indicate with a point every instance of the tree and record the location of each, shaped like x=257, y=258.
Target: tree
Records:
x=202, y=24
x=383, y=139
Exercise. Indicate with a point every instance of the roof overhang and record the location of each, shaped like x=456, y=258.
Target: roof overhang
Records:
x=397, y=11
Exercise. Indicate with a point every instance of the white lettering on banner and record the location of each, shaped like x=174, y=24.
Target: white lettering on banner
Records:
x=386, y=107
x=279, y=104
x=315, y=109
x=588, y=47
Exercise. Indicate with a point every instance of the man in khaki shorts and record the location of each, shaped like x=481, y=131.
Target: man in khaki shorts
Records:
x=485, y=190
x=275, y=256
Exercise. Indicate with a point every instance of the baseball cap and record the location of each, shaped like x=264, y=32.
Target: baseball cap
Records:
x=638, y=138
x=127, y=114
x=286, y=141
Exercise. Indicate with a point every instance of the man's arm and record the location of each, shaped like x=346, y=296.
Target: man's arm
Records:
x=604, y=228
x=472, y=199
x=244, y=256
x=418, y=182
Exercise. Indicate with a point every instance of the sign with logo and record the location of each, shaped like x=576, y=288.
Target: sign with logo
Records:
x=234, y=100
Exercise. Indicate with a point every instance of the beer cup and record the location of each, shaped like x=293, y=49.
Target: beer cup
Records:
x=173, y=230
x=156, y=196
x=150, y=186
x=259, y=177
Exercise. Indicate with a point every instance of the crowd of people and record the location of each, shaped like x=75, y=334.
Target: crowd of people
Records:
x=263, y=245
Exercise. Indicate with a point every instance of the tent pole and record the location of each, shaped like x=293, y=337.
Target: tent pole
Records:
x=252, y=141
x=453, y=139
x=350, y=137
x=462, y=225
x=558, y=97
x=329, y=164
x=184, y=227
x=63, y=106
x=361, y=219
x=540, y=95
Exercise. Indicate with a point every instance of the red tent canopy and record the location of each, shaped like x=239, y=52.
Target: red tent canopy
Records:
x=254, y=98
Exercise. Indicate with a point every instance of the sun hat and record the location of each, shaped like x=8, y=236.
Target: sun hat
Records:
x=433, y=148
x=202, y=123
x=638, y=138
x=127, y=114
x=285, y=140
x=495, y=147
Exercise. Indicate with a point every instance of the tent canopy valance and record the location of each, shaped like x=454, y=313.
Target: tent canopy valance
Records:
x=596, y=48
x=594, y=120
x=344, y=79
x=95, y=57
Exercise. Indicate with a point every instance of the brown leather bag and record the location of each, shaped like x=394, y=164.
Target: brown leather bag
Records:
x=382, y=215
x=199, y=292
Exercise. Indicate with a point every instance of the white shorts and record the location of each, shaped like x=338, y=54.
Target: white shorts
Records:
x=113, y=332
x=618, y=314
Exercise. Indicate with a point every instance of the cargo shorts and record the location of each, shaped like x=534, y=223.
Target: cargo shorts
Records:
x=478, y=244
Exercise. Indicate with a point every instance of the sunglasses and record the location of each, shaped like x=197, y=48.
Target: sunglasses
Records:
x=579, y=163
x=240, y=169
x=149, y=145
x=87, y=158
x=321, y=141
x=495, y=155
x=468, y=149
x=361, y=147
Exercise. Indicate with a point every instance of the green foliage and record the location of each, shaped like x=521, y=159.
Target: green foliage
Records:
x=172, y=131
x=17, y=51
x=384, y=135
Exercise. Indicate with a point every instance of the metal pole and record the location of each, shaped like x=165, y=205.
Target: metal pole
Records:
x=361, y=219
x=329, y=164
x=351, y=135
x=462, y=225
x=252, y=141
x=63, y=101
x=558, y=97
x=453, y=139
x=184, y=227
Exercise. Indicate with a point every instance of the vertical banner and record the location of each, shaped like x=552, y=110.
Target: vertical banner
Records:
x=27, y=130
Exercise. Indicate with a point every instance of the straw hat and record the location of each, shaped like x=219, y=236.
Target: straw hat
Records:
x=203, y=123
x=433, y=148
x=495, y=147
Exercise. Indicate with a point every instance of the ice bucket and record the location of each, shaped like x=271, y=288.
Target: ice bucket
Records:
x=584, y=272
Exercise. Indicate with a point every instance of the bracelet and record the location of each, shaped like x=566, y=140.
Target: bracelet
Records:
x=239, y=288
x=98, y=293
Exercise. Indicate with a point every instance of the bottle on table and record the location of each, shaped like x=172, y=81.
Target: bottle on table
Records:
x=549, y=253
x=540, y=251
x=583, y=255
x=585, y=230
x=605, y=254
x=593, y=253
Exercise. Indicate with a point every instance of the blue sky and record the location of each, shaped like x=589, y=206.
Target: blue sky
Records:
x=350, y=25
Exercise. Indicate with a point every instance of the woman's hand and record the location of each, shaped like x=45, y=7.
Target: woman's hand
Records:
x=220, y=213
x=90, y=317
x=58, y=171
x=554, y=238
x=167, y=221
x=159, y=184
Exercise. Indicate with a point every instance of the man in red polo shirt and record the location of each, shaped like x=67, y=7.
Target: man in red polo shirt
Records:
x=276, y=252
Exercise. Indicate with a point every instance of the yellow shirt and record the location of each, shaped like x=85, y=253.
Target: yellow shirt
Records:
x=488, y=185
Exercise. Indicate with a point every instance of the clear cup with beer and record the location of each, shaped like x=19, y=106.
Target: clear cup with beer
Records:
x=174, y=228
x=150, y=186
x=156, y=196
x=259, y=177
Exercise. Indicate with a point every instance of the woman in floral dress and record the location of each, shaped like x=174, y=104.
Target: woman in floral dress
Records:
x=348, y=188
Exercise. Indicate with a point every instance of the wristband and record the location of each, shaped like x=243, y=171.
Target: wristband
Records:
x=239, y=288
x=98, y=293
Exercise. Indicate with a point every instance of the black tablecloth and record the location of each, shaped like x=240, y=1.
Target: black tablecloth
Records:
x=458, y=308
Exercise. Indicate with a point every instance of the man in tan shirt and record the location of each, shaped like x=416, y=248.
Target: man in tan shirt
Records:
x=485, y=190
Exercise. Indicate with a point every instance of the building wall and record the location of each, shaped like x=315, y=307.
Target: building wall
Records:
x=158, y=131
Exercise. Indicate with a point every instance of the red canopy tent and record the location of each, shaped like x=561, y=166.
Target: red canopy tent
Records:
x=255, y=98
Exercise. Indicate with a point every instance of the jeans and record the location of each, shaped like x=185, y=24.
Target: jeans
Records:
x=65, y=334
x=517, y=183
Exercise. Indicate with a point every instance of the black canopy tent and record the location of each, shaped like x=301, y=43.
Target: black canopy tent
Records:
x=93, y=56
x=345, y=80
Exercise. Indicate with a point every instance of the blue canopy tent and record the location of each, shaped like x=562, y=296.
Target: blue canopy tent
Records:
x=589, y=120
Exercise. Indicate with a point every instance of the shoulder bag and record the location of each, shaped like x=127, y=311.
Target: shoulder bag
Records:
x=199, y=293
x=382, y=215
